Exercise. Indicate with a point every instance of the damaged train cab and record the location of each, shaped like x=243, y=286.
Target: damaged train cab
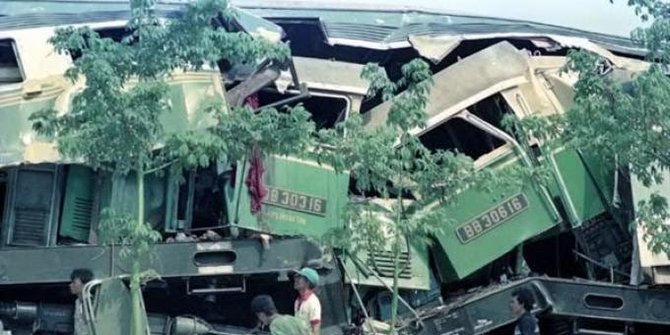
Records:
x=572, y=225
x=211, y=248
x=51, y=207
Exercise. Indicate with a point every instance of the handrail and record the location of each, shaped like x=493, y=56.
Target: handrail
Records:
x=491, y=129
x=87, y=301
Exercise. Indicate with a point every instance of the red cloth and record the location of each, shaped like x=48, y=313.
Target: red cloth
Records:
x=252, y=101
x=254, y=181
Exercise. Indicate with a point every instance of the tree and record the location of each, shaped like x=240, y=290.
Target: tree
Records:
x=114, y=122
x=624, y=119
x=404, y=184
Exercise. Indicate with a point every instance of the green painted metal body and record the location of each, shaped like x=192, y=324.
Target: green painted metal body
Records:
x=118, y=193
x=187, y=93
x=308, y=199
x=78, y=203
x=31, y=205
x=304, y=198
x=171, y=260
x=376, y=268
x=486, y=225
x=457, y=256
x=584, y=183
x=20, y=144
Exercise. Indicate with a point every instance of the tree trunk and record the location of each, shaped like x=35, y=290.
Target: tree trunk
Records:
x=136, y=321
x=396, y=275
x=396, y=265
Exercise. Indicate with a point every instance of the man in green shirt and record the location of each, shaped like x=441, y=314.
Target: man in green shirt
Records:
x=264, y=308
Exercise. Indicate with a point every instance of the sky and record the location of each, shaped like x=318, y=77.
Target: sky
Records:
x=591, y=15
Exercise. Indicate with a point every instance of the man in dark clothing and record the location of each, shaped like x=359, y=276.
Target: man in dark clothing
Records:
x=79, y=278
x=521, y=304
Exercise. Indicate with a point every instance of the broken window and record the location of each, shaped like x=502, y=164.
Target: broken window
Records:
x=10, y=71
x=492, y=110
x=326, y=111
x=200, y=202
x=123, y=197
x=155, y=198
x=117, y=34
x=184, y=206
x=459, y=135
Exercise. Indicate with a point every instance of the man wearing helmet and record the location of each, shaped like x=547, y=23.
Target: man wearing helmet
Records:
x=307, y=306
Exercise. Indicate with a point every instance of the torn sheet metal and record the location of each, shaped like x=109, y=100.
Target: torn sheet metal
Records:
x=253, y=83
x=614, y=19
x=326, y=75
x=539, y=95
x=432, y=34
x=532, y=98
x=560, y=84
x=434, y=48
x=549, y=75
x=474, y=78
x=40, y=13
x=258, y=27
x=585, y=44
x=358, y=25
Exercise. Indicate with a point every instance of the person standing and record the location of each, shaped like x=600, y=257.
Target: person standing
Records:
x=521, y=304
x=79, y=278
x=307, y=306
x=264, y=308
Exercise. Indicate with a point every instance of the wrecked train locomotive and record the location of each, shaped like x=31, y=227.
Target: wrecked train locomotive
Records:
x=212, y=261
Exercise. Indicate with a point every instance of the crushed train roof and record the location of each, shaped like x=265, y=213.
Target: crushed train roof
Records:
x=352, y=23
x=383, y=25
x=26, y=14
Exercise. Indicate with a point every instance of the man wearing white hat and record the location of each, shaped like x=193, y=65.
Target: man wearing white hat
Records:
x=307, y=306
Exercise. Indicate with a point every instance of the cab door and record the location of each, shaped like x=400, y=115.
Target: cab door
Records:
x=485, y=225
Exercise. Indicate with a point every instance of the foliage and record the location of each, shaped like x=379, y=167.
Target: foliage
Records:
x=653, y=214
x=647, y=9
x=282, y=132
x=122, y=229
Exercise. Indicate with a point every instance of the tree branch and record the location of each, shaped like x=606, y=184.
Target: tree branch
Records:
x=161, y=167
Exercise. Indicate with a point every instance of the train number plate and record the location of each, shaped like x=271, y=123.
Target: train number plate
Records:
x=296, y=201
x=492, y=218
